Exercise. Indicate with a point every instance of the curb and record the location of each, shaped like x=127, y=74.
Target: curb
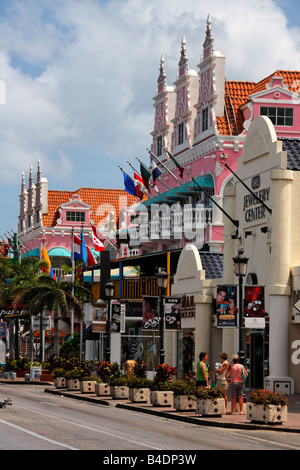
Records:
x=176, y=415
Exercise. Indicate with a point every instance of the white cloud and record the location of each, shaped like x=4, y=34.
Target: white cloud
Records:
x=80, y=76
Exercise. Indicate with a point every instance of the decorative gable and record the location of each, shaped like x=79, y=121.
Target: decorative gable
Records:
x=74, y=213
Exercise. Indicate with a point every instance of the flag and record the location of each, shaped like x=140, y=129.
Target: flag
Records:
x=46, y=258
x=155, y=171
x=90, y=260
x=139, y=186
x=146, y=175
x=96, y=240
x=129, y=185
x=181, y=169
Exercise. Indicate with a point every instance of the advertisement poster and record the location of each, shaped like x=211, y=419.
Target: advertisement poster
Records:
x=255, y=301
x=226, y=306
x=150, y=313
x=99, y=318
x=173, y=313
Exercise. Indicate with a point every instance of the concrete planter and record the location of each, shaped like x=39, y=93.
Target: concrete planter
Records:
x=73, y=384
x=275, y=414
x=162, y=398
x=210, y=407
x=119, y=392
x=139, y=395
x=185, y=403
x=87, y=386
x=102, y=390
x=60, y=382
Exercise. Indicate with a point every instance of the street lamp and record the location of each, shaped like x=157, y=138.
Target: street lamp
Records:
x=240, y=267
x=162, y=279
x=109, y=292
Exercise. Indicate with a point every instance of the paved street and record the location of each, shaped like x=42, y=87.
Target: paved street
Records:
x=43, y=421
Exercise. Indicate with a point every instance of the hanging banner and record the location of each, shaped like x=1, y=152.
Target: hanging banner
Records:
x=173, y=313
x=150, y=313
x=255, y=301
x=226, y=308
x=117, y=324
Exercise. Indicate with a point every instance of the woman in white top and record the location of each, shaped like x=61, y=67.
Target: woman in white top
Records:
x=221, y=378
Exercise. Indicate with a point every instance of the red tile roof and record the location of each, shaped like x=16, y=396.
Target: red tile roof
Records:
x=237, y=94
x=94, y=197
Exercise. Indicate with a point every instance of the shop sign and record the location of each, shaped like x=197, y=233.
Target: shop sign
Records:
x=253, y=213
x=254, y=322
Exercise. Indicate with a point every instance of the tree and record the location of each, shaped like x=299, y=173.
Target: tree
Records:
x=15, y=278
x=46, y=293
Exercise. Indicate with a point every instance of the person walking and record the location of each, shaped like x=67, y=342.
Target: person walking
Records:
x=237, y=384
x=202, y=371
x=221, y=376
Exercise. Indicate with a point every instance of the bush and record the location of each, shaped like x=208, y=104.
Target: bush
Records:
x=140, y=369
x=208, y=393
x=183, y=387
x=58, y=372
x=265, y=397
x=118, y=381
x=159, y=386
x=139, y=382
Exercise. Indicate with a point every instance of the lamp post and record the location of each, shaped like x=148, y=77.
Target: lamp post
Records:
x=240, y=267
x=162, y=279
x=109, y=292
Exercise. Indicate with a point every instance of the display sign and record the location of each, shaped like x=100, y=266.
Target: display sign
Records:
x=255, y=301
x=226, y=308
x=297, y=305
x=3, y=329
x=173, y=313
x=255, y=322
x=99, y=317
x=150, y=313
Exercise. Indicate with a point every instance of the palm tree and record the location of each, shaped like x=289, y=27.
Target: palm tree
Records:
x=15, y=278
x=46, y=293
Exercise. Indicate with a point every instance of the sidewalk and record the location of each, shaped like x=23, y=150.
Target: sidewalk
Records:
x=226, y=421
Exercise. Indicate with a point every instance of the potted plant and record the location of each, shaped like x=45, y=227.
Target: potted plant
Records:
x=184, y=395
x=73, y=379
x=58, y=375
x=160, y=390
x=139, y=390
x=119, y=387
x=104, y=372
x=210, y=401
x=265, y=406
x=46, y=373
x=87, y=384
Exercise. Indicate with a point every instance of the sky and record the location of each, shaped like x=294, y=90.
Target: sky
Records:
x=78, y=77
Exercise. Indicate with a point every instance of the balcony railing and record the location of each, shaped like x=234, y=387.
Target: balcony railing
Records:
x=133, y=288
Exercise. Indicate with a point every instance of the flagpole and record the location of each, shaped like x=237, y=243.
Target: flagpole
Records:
x=139, y=175
x=164, y=166
x=73, y=278
x=235, y=222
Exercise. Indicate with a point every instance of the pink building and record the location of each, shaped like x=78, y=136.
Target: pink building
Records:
x=202, y=121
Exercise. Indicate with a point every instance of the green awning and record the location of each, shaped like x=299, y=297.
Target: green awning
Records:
x=59, y=251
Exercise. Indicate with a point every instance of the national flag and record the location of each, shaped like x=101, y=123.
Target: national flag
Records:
x=146, y=175
x=96, y=240
x=77, y=252
x=129, y=185
x=46, y=258
x=181, y=169
x=139, y=185
x=155, y=171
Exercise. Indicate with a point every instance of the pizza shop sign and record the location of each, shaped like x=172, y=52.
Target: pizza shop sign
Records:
x=252, y=205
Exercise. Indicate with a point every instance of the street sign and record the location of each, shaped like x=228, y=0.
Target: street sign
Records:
x=297, y=305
